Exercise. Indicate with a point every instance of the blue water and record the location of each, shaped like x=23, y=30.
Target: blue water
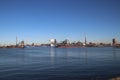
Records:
x=45, y=63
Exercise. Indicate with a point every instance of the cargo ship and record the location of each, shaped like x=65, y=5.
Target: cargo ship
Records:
x=117, y=46
x=69, y=46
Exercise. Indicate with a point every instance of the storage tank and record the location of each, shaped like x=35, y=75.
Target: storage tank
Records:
x=52, y=42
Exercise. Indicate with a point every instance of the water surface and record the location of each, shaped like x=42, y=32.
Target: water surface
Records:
x=45, y=63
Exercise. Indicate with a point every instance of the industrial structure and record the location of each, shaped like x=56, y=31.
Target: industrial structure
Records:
x=114, y=42
x=53, y=42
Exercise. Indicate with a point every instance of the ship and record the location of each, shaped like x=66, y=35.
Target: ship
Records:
x=69, y=46
x=117, y=46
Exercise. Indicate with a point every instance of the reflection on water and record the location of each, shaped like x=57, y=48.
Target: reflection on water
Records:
x=52, y=51
x=52, y=54
x=114, y=54
x=60, y=64
x=85, y=55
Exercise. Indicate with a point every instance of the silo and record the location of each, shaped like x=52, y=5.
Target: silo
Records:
x=52, y=42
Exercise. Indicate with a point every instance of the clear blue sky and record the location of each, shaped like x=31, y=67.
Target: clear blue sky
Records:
x=40, y=20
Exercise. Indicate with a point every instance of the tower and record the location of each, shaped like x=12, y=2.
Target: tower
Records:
x=16, y=41
x=85, y=40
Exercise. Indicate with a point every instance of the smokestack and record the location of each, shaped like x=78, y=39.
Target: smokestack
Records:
x=16, y=40
x=85, y=40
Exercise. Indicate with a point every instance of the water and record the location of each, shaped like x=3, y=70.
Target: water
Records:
x=45, y=63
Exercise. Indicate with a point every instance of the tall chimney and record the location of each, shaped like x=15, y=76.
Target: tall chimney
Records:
x=16, y=40
x=85, y=40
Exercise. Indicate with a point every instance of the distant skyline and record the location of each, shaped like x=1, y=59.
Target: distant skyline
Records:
x=40, y=20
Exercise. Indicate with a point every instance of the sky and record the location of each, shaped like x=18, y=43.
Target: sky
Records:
x=40, y=20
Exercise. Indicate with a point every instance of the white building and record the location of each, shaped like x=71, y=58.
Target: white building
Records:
x=52, y=42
